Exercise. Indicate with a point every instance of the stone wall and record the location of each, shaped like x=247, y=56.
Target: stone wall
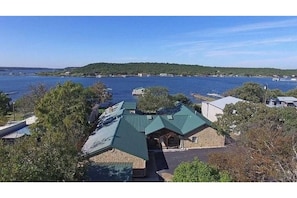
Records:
x=115, y=155
x=205, y=137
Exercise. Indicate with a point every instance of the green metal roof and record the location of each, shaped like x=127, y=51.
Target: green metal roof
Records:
x=129, y=140
x=182, y=122
x=127, y=133
x=129, y=105
x=161, y=123
x=139, y=122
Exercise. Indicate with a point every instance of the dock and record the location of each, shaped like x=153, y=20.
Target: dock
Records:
x=201, y=97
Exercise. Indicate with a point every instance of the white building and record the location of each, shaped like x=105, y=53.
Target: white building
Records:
x=210, y=110
x=285, y=101
x=138, y=91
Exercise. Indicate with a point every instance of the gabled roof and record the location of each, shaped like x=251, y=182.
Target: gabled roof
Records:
x=221, y=103
x=126, y=132
x=129, y=140
x=101, y=140
x=120, y=135
x=182, y=122
x=139, y=122
x=161, y=123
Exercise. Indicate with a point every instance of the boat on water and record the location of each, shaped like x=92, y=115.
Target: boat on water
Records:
x=138, y=91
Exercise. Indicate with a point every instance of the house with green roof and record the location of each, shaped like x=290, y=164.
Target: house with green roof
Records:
x=125, y=137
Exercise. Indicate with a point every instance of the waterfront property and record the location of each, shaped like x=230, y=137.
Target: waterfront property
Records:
x=212, y=109
x=124, y=138
x=287, y=101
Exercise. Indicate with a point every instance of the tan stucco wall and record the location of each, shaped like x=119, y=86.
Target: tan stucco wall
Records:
x=210, y=112
x=116, y=155
x=206, y=137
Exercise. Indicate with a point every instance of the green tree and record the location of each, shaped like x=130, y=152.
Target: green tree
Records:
x=250, y=91
x=52, y=152
x=53, y=158
x=181, y=98
x=4, y=103
x=4, y=107
x=153, y=99
x=239, y=117
x=236, y=117
x=273, y=93
x=64, y=109
x=197, y=171
x=292, y=92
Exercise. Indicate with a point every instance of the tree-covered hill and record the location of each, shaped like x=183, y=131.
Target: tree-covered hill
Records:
x=169, y=68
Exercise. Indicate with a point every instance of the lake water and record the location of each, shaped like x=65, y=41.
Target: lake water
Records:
x=17, y=85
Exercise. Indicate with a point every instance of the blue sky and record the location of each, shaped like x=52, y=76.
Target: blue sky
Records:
x=67, y=41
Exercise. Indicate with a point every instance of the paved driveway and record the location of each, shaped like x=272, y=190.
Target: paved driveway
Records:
x=167, y=161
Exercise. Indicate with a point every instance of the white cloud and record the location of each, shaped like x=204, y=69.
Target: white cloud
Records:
x=260, y=26
x=284, y=62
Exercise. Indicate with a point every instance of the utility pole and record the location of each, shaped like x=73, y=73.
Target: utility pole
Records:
x=265, y=91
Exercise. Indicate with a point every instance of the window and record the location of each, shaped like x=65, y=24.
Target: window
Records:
x=195, y=139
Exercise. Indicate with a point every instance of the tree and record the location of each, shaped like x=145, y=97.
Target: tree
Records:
x=268, y=153
x=236, y=117
x=273, y=93
x=51, y=159
x=153, y=99
x=267, y=143
x=292, y=93
x=27, y=103
x=250, y=91
x=239, y=117
x=197, y=171
x=52, y=151
x=4, y=103
x=4, y=107
x=181, y=98
x=64, y=109
x=100, y=92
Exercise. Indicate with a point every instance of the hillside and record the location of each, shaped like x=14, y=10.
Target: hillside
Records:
x=174, y=69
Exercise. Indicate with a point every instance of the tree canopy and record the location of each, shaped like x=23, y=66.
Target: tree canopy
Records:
x=153, y=99
x=197, y=171
x=267, y=142
x=4, y=107
x=170, y=68
x=51, y=152
x=250, y=91
x=64, y=109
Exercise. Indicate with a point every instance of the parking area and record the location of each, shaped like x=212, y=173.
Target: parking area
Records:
x=162, y=163
x=167, y=160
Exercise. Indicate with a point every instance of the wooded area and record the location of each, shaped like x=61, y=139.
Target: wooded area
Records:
x=169, y=68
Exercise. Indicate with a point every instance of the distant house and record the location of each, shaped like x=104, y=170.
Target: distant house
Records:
x=211, y=110
x=125, y=137
x=287, y=101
